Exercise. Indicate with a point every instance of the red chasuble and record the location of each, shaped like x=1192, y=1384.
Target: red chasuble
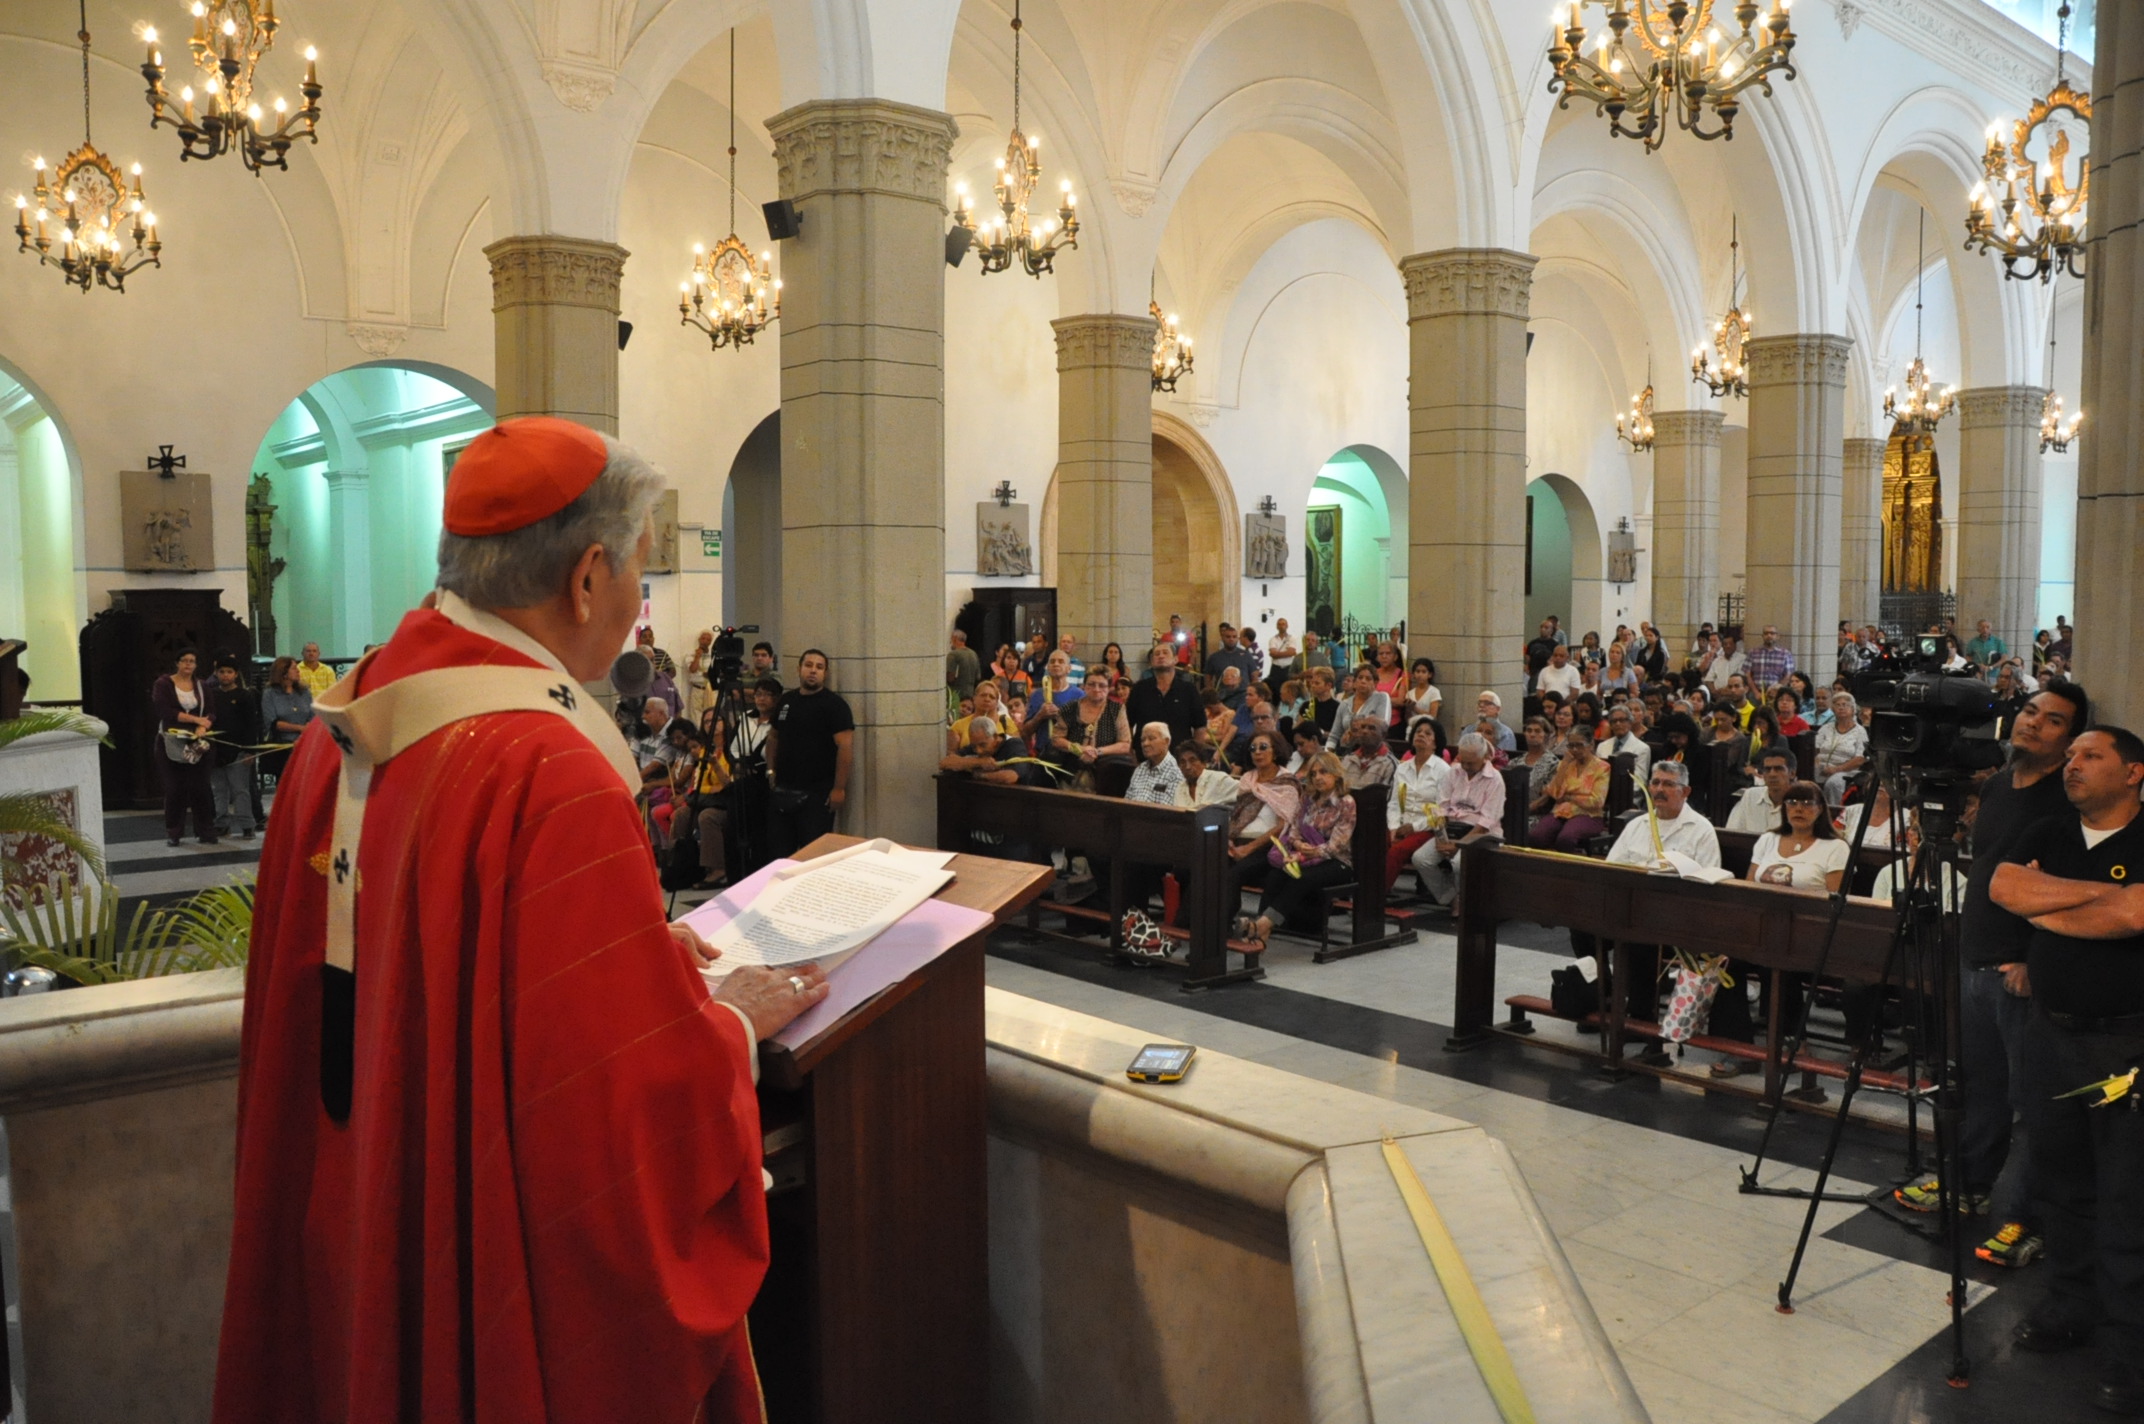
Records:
x=546, y=1202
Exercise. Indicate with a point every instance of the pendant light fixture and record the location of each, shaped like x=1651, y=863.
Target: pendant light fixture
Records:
x=1013, y=238
x=1923, y=409
x=729, y=296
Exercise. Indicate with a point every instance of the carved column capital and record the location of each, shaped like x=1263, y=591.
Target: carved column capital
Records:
x=1687, y=427
x=555, y=271
x=1491, y=281
x=1799, y=359
x=862, y=145
x=1106, y=339
x=1986, y=406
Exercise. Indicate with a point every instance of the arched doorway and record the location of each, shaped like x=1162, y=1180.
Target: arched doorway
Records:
x=752, y=535
x=1198, y=540
x=1563, y=557
x=356, y=471
x=44, y=596
x=1354, y=580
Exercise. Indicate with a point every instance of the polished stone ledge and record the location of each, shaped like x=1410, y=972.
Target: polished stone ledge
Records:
x=1378, y=1338
x=80, y=1045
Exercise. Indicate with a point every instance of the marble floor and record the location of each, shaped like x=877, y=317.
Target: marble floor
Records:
x=1640, y=1179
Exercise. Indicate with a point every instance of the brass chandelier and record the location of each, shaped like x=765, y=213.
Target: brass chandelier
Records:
x=90, y=201
x=2029, y=208
x=1657, y=62
x=2057, y=430
x=229, y=40
x=1013, y=237
x=1923, y=409
x=1636, y=428
x=1172, y=350
x=730, y=296
x=1730, y=334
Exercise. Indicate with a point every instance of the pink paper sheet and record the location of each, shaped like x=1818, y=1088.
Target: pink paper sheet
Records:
x=913, y=941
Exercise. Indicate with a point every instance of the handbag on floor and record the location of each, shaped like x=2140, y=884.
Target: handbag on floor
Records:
x=1143, y=937
x=1692, y=985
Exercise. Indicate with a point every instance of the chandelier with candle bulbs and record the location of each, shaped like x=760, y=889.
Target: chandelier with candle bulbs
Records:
x=2029, y=207
x=1923, y=408
x=1172, y=350
x=1013, y=237
x=1636, y=428
x=1657, y=62
x=2057, y=429
x=88, y=220
x=1730, y=334
x=730, y=296
x=229, y=39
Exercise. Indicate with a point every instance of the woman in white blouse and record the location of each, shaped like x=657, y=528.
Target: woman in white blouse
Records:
x=1842, y=747
x=1417, y=790
x=1802, y=853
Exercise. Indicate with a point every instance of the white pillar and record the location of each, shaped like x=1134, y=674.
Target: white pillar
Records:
x=1861, y=531
x=1105, y=480
x=1999, y=510
x=350, y=540
x=1797, y=409
x=1686, y=523
x=1466, y=554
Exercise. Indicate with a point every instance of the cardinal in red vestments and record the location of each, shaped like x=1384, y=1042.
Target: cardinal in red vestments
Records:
x=502, y=1161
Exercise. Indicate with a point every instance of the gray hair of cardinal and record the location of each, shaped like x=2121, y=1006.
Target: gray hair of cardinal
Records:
x=525, y=567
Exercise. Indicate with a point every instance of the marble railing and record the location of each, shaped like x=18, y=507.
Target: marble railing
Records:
x=1228, y=1248
x=1233, y=1247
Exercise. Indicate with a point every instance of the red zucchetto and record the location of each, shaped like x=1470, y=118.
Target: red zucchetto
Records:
x=521, y=471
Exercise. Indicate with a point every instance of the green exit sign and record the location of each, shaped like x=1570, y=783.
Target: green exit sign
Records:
x=711, y=543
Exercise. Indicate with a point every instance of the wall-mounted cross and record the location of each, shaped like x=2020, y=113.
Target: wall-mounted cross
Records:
x=165, y=463
x=1005, y=494
x=1267, y=507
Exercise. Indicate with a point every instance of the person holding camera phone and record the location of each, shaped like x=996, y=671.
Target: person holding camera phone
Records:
x=809, y=755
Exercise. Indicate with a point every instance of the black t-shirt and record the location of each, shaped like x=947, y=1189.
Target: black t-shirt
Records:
x=805, y=724
x=1538, y=652
x=1990, y=934
x=2102, y=978
x=1178, y=707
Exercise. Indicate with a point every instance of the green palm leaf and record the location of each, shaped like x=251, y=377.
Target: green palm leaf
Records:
x=78, y=935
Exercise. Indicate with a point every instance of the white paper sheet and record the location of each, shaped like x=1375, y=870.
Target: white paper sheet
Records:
x=801, y=911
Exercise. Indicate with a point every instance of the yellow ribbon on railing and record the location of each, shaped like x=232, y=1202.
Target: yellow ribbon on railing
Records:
x=1468, y=1308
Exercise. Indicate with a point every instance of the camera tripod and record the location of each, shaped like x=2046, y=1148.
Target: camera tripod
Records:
x=1924, y=963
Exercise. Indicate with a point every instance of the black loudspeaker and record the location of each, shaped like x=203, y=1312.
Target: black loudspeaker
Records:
x=625, y=332
x=957, y=242
x=783, y=219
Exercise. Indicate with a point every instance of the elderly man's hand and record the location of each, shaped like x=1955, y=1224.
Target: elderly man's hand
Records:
x=772, y=998
x=698, y=952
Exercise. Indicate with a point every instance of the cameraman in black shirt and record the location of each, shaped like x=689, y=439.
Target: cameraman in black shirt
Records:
x=2079, y=878
x=1994, y=1002
x=809, y=756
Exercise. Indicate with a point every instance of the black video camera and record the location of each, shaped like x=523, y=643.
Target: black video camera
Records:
x=1927, y=719
x=725, y=658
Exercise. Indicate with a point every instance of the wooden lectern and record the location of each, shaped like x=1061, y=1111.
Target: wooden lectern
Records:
x=876, y=1302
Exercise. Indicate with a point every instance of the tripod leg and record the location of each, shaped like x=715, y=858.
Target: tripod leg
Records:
x=1823, y=1176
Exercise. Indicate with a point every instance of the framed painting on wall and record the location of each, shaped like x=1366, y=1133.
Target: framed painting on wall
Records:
x=1321, y=569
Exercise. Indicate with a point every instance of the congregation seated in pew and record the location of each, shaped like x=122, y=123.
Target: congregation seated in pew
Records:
x=1417, y=794
x=1310, y=854
x=1473, y=808
x=1368, y=760
x=1575, y=802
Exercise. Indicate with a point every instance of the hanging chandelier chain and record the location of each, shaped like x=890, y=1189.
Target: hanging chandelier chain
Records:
x=733, y=128
x=1016, y=27
x=83, y=35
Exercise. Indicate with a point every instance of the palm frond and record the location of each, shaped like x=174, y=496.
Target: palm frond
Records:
x=77, y=935
x=39, y=720
x=28, y=813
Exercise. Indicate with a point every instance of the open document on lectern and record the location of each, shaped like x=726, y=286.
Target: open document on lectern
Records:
x=822, y=909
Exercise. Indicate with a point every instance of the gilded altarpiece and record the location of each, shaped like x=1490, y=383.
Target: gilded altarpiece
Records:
x=1912, y=516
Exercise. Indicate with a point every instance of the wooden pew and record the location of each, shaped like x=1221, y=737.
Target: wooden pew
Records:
x=1364, y=901
x=1780, y=930
x=1107, y=830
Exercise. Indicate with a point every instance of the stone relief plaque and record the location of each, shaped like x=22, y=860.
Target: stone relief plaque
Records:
x=169, y=525
x=1002, y=546
x=1265, y=546
x=662, y=549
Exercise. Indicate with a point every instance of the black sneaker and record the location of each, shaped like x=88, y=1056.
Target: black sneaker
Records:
x=2049, y=1337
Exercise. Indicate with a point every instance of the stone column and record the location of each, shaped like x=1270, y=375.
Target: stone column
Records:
x=1686, y=523
x=863, y=435
x=554, y=303
x=1105, y=479
x=1466, y=522
x=2110, y=476
x=1861, y=531
x=350, y=578
x=1999, y=511
x=1797, y=411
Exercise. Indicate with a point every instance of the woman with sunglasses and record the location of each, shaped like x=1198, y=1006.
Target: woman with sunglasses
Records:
x=1803, y=852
